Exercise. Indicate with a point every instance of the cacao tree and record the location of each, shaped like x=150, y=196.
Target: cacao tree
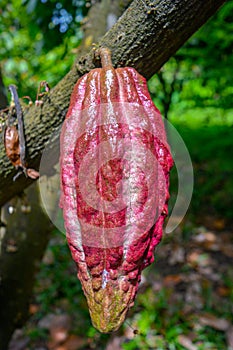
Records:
x=145, y=37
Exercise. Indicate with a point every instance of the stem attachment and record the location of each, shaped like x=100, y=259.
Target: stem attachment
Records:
x=105, y=57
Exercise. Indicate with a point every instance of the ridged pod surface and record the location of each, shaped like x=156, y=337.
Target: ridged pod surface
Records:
x=115, y=164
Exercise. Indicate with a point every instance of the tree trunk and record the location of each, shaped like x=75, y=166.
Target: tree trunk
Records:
x=23, y=242
x=145, y=37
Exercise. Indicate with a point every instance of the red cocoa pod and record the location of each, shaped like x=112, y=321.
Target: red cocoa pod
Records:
x=115, y=164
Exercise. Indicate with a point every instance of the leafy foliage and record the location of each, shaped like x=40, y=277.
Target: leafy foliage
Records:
x=201, y=70
x=38, y=41
x=212, y=163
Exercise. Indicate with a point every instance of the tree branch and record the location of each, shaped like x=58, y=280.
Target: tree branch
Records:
x=145, y=37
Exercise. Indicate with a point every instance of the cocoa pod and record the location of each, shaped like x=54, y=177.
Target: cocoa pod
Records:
x=11, y=143
x=115, y=164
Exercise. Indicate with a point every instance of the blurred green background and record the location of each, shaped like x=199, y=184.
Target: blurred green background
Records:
x=194, y=89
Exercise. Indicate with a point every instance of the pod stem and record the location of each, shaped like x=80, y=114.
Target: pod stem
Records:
x=105, y=57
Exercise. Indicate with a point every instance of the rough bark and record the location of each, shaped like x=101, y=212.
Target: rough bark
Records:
x=22, y=244
x=145, y=36
x=101, y=17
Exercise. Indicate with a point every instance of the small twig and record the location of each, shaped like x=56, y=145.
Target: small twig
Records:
x=45, y=85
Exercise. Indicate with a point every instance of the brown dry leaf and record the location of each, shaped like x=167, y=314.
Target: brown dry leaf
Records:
x=186, y=342
x=210, y=320
x=73, y=342
x=172, y=280
x=223, y=291
x=58, y=335
x=219, y=224
x=214, y=224
x=196, y=258
x=208, y=240
x=205, y=237
x=33, y=308
x=227, y=249
x=59, y=326
x=192, y=258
